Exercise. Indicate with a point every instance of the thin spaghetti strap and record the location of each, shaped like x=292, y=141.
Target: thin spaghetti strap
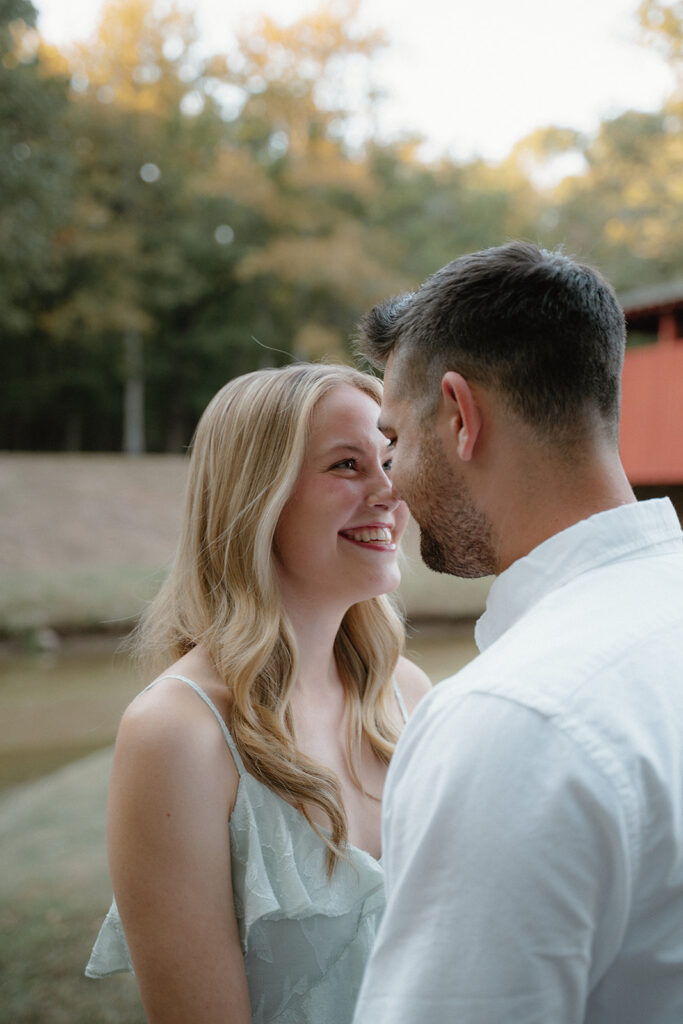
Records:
x=400, y=701
x=210, y=704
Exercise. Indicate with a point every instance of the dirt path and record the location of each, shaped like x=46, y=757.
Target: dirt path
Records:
x=84, y=540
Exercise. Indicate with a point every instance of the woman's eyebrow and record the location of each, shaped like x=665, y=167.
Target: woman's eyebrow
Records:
x=347, y=446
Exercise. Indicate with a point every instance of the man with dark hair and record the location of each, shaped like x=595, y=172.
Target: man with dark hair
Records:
x=533, y=829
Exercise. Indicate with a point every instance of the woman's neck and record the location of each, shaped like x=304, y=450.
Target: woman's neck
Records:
x=315, y=631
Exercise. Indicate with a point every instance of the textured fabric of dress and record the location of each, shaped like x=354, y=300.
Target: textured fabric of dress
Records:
x=305, y=938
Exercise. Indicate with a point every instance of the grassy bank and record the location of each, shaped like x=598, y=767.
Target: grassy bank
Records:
x=53, y=889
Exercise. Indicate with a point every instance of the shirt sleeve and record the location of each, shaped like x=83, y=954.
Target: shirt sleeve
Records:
x=507, y=871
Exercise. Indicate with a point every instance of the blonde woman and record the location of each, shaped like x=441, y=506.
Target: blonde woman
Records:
x=244, y=808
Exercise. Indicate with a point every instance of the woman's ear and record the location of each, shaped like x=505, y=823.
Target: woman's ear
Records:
x=463, y=413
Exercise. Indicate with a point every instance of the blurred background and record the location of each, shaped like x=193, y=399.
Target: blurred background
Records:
x=192, y=191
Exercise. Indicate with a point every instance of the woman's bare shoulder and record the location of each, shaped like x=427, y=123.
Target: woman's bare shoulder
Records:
x=172, y=790
x=412, y=682
x=168, y=726
x=169, y=699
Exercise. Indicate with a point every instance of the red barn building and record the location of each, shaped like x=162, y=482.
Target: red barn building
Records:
x=651, y=437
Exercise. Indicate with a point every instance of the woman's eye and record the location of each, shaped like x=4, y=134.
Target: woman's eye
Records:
x=345, y=464
x=387, y=466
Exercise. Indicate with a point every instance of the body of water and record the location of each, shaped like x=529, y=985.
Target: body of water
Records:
x=57, y=708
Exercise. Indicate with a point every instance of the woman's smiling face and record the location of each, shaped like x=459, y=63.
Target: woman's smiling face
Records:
x=337, y=536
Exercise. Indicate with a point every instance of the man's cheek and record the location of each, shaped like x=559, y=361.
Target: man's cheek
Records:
x=402, y=516
x=397, y=480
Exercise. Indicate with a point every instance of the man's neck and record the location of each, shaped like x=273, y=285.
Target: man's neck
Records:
x=553, y=501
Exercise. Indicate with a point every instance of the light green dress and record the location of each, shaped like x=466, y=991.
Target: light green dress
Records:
x=305, y=938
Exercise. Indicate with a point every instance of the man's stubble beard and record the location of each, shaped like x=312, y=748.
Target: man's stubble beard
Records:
x=455, y=536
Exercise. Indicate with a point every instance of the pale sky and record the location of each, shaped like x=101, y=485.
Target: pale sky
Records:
x=471, y=76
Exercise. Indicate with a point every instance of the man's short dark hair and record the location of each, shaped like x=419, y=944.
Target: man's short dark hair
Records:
x=546, y=332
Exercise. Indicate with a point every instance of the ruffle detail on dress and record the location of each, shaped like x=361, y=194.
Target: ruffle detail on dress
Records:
x=110, y=953
x=310, y=933
x=305, y=937
x=279, y=865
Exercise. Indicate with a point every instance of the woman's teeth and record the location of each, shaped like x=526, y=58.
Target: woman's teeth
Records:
x=381, y=534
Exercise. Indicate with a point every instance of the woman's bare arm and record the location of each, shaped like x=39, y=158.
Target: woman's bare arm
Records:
x=173, y=786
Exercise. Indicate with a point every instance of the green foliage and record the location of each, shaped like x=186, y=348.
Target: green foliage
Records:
x=626, y=211
x=36, y=173
x=214, y=208
x=34, y=167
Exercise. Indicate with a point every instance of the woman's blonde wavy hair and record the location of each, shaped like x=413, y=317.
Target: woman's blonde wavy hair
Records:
x=223, y=591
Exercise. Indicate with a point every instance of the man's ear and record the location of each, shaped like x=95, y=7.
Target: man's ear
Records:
x=463, y=413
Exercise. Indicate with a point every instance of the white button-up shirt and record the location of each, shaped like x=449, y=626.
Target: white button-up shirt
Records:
x=533, y=828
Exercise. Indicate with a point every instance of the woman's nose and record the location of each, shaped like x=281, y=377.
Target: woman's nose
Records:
x=381, y=493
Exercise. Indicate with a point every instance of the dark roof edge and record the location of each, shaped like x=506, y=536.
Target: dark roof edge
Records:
x=651, y=296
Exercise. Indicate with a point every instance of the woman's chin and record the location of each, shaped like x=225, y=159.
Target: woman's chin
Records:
x=388, y=584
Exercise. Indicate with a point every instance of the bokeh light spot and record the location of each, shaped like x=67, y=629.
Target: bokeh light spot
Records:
x=173, y=48
x=79, y=82
x=192, y=103
x=224, y=234
x=150, y=172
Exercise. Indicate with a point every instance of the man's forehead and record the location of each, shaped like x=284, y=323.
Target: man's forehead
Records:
x=392, y=381
x=392, y=412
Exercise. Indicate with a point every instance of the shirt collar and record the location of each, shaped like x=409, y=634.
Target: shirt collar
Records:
x=602, y=538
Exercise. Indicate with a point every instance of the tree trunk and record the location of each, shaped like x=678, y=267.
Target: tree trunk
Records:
x=133, y=395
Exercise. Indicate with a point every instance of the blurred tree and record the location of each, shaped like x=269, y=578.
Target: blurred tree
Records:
x=305, y=94
x=437, y=212
x=175, y=219
x=626, y=210
x=140, y=251
x=35, y=173
x=662, y=26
